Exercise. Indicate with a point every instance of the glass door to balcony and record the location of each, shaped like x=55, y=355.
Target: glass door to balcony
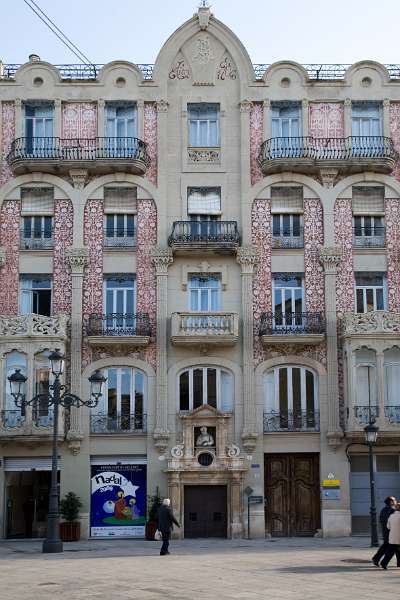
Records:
x=205, y=297
x=12, y=416
x=367, y=130
x=288, y=302
x=39, y=130
x=120, y=300
x=286, y=131
x=121, y=130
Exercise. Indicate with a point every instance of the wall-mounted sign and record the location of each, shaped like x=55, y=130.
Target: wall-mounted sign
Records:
x=331, y=483
x=331, y=494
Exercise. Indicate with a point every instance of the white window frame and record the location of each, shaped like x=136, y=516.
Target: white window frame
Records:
x=360, y=121
x=115, y=226
x=190, y=289
x=374, y=289
x=111, y=122
x=372, y=226
x=28, y=289
x=123, y=289
x=209, y=121
x=204, y=368
x=275, y=288
x=33, y=219
x=273, y=407
x=281, y=228
x=102, y=407
x=293, y=121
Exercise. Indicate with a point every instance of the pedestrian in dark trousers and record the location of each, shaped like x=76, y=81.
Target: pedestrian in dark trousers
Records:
x=166, y=522
x=387, y=510
x=393, y=548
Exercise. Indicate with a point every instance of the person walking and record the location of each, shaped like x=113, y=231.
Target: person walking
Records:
x=393, y=525
x=387, y=510
x=166, y=522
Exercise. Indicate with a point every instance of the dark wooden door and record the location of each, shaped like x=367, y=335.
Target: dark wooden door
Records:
x=205, y=511
x=292, y=495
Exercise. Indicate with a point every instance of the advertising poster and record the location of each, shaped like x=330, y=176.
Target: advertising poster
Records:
x=118, y=501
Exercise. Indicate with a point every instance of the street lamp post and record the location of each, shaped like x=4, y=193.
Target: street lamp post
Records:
x=57, y=396
x=371, y=435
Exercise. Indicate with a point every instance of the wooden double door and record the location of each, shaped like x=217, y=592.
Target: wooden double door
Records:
x=205, y=511
x=292, y=494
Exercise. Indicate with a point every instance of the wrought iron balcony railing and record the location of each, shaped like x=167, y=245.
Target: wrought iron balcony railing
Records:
x=392, y=414
x=366, y=414
x=126, y=239
x=320, y=149
x=289, y=239
x=193, y=232
x=40, y=239
x=292, y=323
x=119, y=324
x=302, y=420
x=369, y=237
x=77, y=149
x=104, y=423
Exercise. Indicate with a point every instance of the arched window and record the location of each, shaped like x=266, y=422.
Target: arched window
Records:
x=391, y=380
x=206, y=385
x=366, y=392
x=12, y=415
x=122, y=406
x=290, y=399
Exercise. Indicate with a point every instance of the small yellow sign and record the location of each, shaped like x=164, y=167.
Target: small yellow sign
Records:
x=331, y=483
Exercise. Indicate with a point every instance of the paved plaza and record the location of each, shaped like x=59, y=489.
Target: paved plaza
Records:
x=210, y=569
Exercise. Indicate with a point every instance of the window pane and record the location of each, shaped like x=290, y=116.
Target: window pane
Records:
x=370, y=299
x=310, y=392
x=296, y=391
x=283, y=392
x=27, y=227
x=359, y=301
x=126, y=382
x=130, y=225
x=110, y=226
x=296, y=225
x=184, y=391
x=276, y=225
x=112, y=392
x=139, y=399
x=286, y=225
x=379, y=299
x=212, y=387
x=197, y=388
x=357, y=226
x=120, y=225
x=47, y=227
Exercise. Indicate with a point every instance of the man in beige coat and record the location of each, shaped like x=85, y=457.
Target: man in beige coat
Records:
x=393, y=525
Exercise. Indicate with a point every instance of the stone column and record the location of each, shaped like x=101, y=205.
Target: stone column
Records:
x=101, y=120
x=140, y=119
x=347, y=118
x=267, y=128
x=304, y=117
x=57, y=118
x=386, y=118
x=330, y=258
x=163, y=141
x=18, y=118
x=245, y=110
x=162, y=259
x=247, y=257
x=77, y=259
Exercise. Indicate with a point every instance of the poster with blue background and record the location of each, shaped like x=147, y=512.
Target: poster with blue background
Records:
x=118, y=501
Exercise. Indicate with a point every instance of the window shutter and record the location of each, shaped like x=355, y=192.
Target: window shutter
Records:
x=287, y=200
x=204, y=201
x=368, y=200
x=37, y=200
x=120, y=200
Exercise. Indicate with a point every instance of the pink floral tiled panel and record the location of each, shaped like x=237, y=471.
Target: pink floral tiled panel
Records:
x=150, y=137
x=79, y=120
x=313, y=270
x=392, y=220
x=93, y=240
x=326, y=119
x=344, y=239
x=394, y=118
x=9, y=240
x=256, y=139
x=7, y=136
x=62, y=284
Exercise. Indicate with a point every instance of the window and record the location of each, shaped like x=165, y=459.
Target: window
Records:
x=120, y=230
x=367, y=228
x=206, y=385
x=37, y=232
x=39, y=120
x=366, y=392
x=291, y=399
x=13, y=416
x=204, y=294
x=391, y=381
x=35, y=295
x=366, y=119
x=287, y=230
x=120, y=303
x=121, y=120
x=122, y=406
x=370, y=292
x=288, y=300
x=203, y=125
x=42, y=414
x=286, y=122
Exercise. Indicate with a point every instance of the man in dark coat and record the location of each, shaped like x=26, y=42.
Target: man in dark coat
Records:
x=166, y=522
x=387, y=510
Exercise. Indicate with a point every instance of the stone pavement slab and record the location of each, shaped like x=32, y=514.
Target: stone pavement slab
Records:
x=285, y=569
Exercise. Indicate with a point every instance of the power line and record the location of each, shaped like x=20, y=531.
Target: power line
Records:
x=57, y=32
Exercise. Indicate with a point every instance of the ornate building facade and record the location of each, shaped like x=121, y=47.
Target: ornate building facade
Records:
x=222, y=241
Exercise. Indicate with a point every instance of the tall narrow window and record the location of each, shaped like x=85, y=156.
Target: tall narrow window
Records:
x=120, y=230
x=37, y=233
x=367, y=129
x=366, y=391
x=204, y=294
x=286, y=129
x=120, y=304
x=391, y=381
x=12, y=415
x=121, y=129
x=35, y=295
x=39, y=124
x=42, y=415
x=288, y=300
x=206, y=385
x=370, y=292
x=203, y=124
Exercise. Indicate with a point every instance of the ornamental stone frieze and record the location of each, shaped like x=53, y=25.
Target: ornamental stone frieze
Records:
x=79, y=178
x=204, y=155
x=77, y=259
x=33, y=326
x=371, y=323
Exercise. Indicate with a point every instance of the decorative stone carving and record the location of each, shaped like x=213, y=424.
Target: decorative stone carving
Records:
x=371, y=323
x=245, y=106
x=204, y=15
x=162, y=258
x=226, y=69
x=77, y=258
x=9, y=274
x=249, y=441
x=177, y=451
x=33, y=325
x=344, y=240
x=161, y=439
x=328, y=176
x=330, y=258
x=204, y=155
x=79, y=178
x=232, y=450
x=162, y=106
x=203, y=53
x=2, y=257
x=7, y=129
x=180, y=69
x=247, y=257
x=392, y=222
x=74, y=439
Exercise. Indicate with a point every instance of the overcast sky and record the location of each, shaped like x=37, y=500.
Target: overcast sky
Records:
x=307, y=31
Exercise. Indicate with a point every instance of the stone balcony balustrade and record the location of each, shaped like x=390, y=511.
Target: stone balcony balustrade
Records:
x=208, y=328
x=33, y=326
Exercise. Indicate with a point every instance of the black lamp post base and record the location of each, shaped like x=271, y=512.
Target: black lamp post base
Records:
x=52, y=546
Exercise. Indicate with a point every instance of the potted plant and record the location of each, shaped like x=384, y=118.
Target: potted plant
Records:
x=70, y=529
x=154, y=503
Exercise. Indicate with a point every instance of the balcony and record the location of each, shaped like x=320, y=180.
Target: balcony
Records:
x=118, y=424
x=295, y=328
x=99, y=156
x=127, y=240
x=291, y=421
x=30, y=427
x=211, y=236
x=40, y=239
x=369, y=237
x=371, y=324
x=119, y=328
x=33, y=326
x=348, y=155
x=387, y=418
x=216, y=328
x=288, y=239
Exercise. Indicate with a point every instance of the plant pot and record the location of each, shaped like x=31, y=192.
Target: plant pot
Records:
x=150, y=530
x=70, y=532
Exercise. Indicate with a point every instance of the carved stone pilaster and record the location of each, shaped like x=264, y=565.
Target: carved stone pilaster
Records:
x=328, y=177
x=162, y=106
x=77, y=259
x=79, y=178
x=247, y=257
x=162, y=259
x=245, y=106
x=330, y=257
x=2, y=257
